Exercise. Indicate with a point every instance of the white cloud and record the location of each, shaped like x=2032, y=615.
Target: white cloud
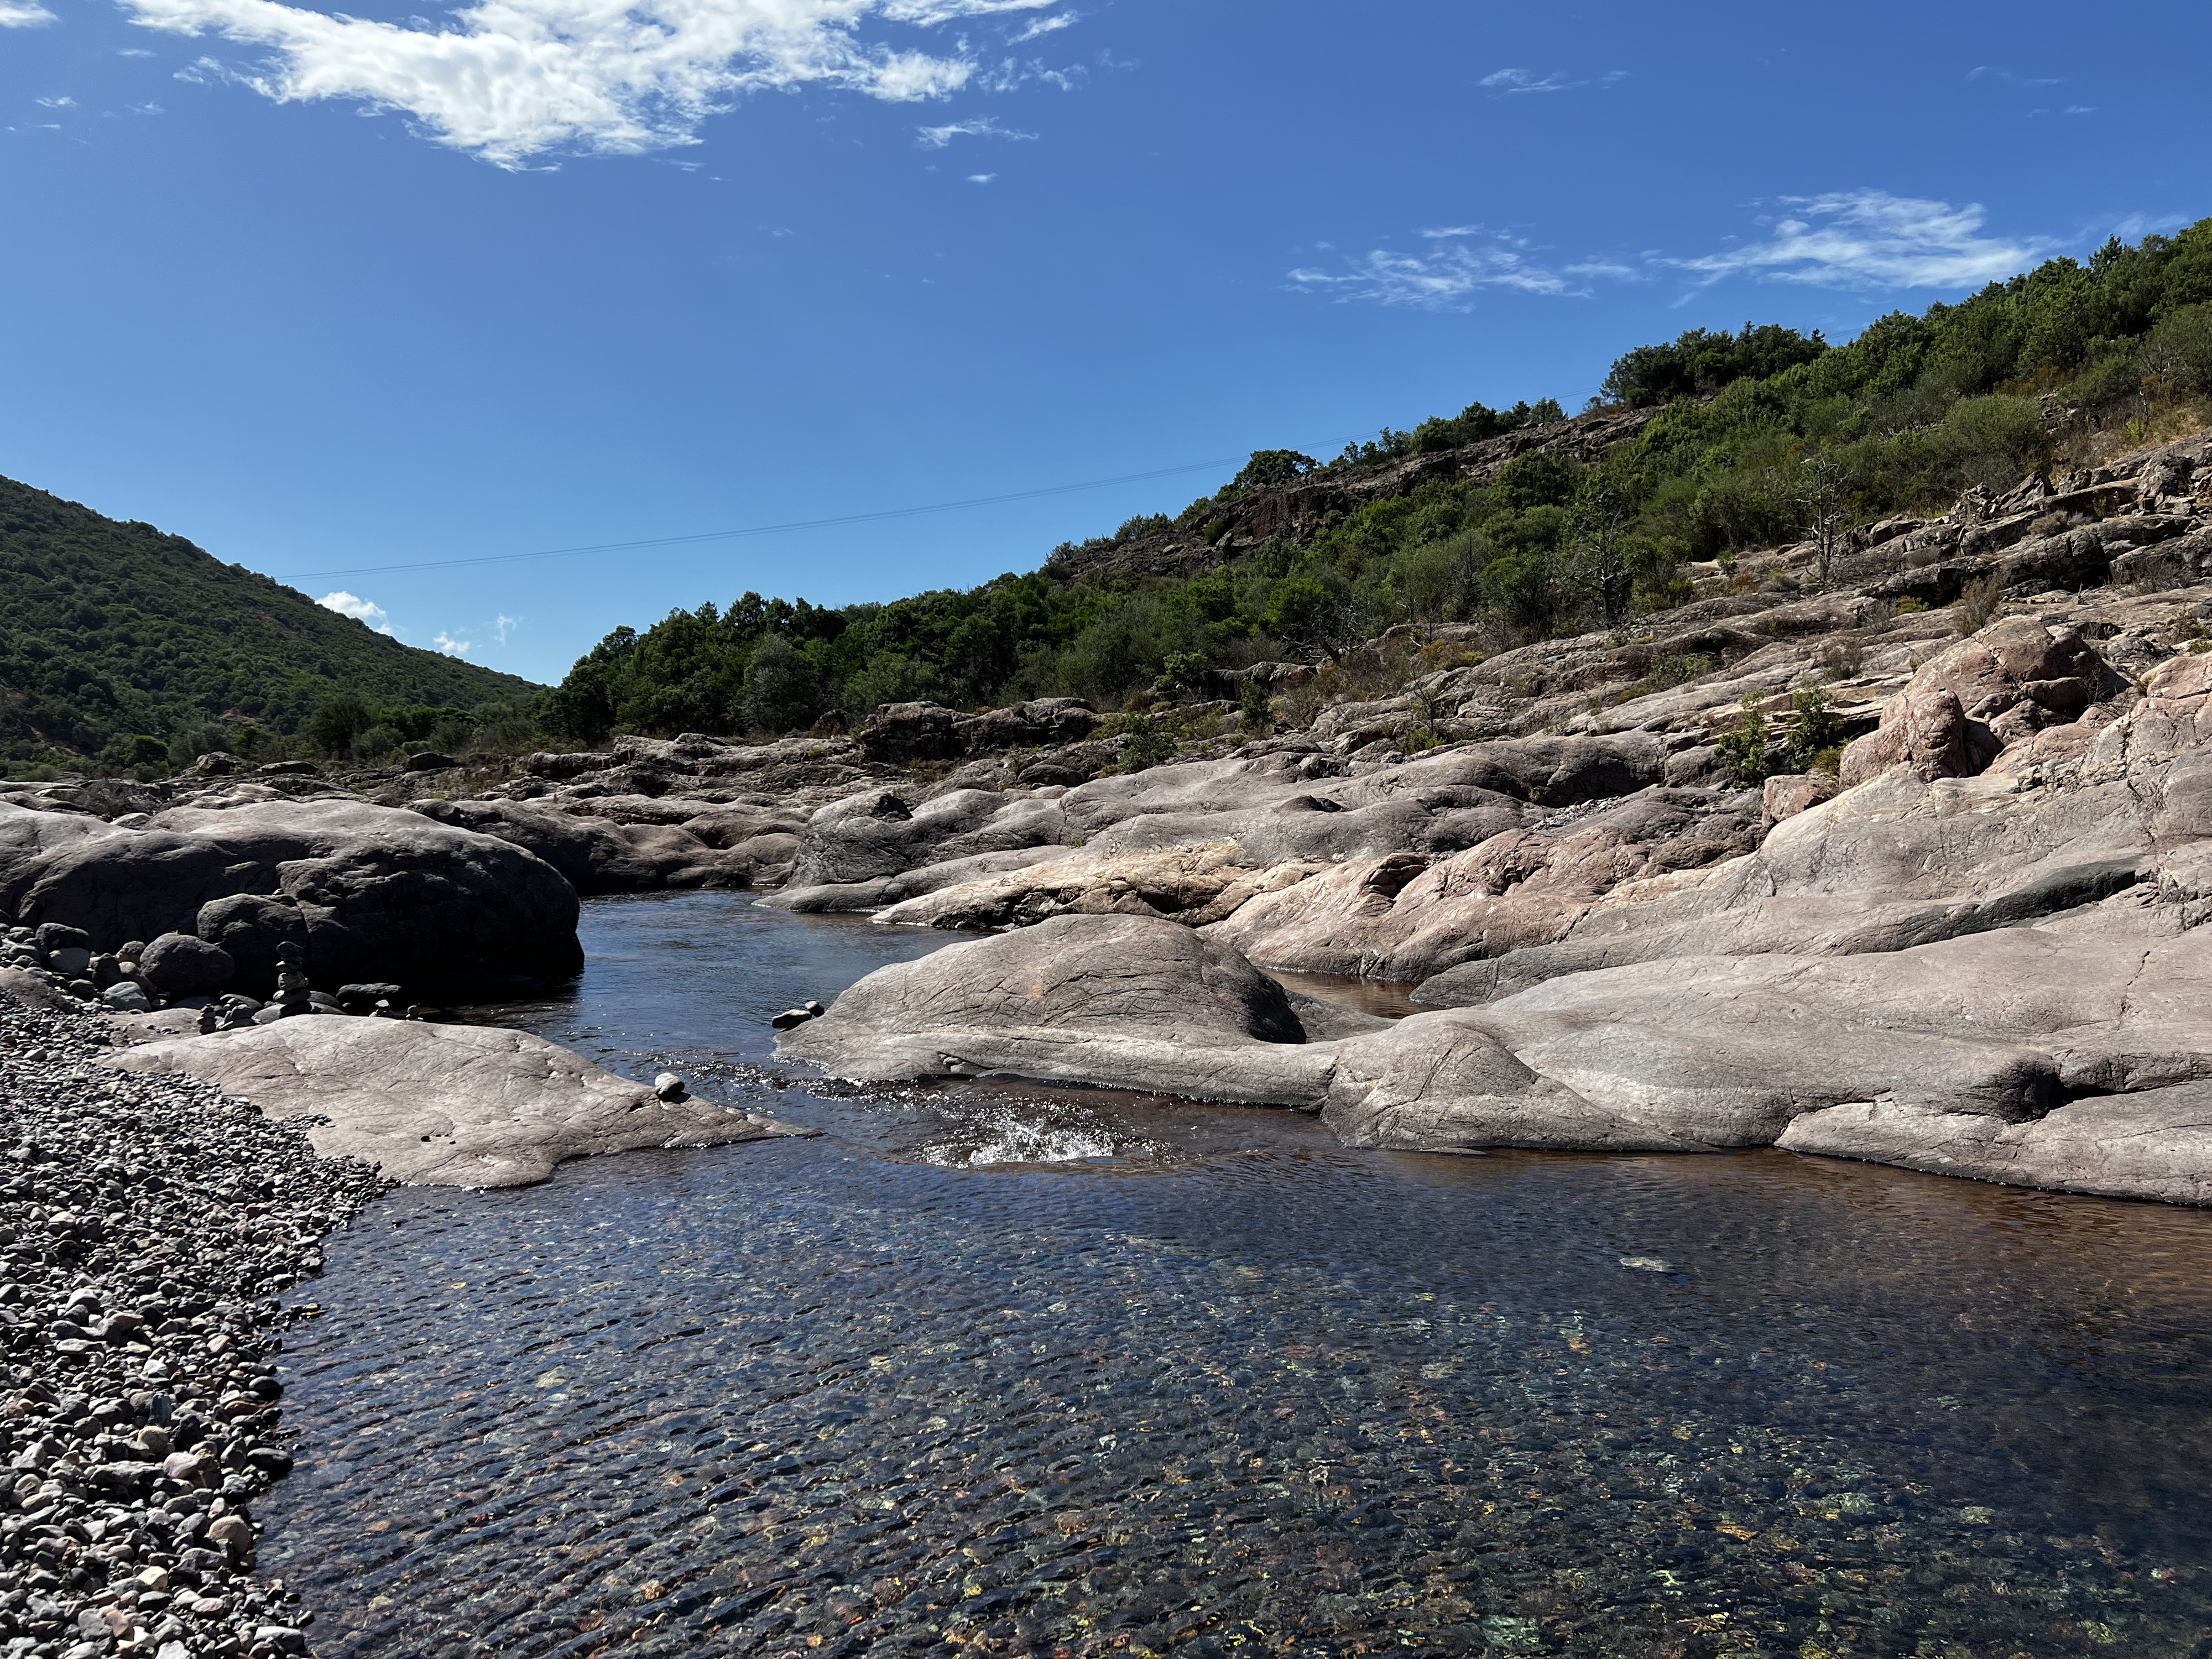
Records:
x=1511, y=81
x=23, y=14
x=361, y=610
x=980, y=177
x=452, y=647
x=2080, y=109
x=134, y=52
x=504, y=626
x=1445, y=280
x=1989, y=72
x=983, y=126
x=1865, y=239
x=57, y=103
x=1870, y=238
x=507, y=80
x=1044, y=26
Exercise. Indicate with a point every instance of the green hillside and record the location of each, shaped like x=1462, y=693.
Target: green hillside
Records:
x=1754, y=436
x=110, y=630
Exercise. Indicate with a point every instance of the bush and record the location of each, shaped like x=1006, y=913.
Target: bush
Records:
x=1256, y=712
x=336, y=721
x=891, y=677
x=189, y=744
x=1743, y=747
x=1979, y=603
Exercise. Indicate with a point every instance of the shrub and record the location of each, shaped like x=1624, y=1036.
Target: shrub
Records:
x=1146, y=742
x=1909, y=606
x=1675, y=671
x=189, y=742
x=1256, y=712
x=336, y=721
x=1743, y=746
x=1814, y=728
x=891, y=677
x=1979, y=603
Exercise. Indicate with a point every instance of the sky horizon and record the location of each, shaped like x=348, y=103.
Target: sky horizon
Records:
x=336, y=295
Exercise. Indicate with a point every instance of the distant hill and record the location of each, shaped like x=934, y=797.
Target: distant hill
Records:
x=111, y=629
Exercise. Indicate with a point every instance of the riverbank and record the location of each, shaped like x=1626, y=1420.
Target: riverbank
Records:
x=148, y=1226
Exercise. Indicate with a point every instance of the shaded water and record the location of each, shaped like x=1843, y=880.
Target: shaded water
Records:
x=1199, y=1380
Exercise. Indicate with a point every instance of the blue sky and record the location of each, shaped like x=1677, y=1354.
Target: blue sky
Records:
x=331, y=293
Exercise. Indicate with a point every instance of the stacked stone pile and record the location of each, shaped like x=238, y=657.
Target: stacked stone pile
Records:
x=147, y=1226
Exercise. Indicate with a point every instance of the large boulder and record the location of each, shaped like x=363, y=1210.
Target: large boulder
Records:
x=441, y=1105
x=1977, y=697
x=179, y=965
x=1134, y=1000
x=367, y=892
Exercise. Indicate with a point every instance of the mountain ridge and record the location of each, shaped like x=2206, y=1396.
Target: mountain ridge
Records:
x=111, y=629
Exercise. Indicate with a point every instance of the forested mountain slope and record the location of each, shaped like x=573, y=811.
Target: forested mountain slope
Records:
x=109, y=630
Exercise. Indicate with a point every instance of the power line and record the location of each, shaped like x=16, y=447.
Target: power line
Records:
x=766, y=529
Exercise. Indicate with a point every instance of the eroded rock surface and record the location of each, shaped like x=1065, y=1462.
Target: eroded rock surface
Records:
x=441, y=1105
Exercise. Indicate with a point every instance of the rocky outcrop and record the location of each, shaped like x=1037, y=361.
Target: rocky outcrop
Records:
x=441, y=1105
x=367, y=892
x=719, y=847
x=2005, y=1053
x=1401, y=918
x=901, y=733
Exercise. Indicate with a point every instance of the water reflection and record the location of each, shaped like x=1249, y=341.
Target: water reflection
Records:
x=1226, y=1386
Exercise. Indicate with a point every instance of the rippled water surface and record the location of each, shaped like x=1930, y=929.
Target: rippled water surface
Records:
x=984, y=1369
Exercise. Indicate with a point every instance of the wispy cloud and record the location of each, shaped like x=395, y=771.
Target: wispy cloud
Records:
x=57, y=103
x=23, y=14
x=980, y=177
x=2080, y=109
x=2005, y=76
x=1509, y=81
x=504, y=626
x=134, y=52
x=511, y=80
x=452, y=647
x=1469, y=258
x=1044, y=26
x=361, y=610
x=1860, y=240
x=1870, y=238
x=982, y=126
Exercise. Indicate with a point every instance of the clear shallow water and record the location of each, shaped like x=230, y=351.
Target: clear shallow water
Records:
x=1204, y=1381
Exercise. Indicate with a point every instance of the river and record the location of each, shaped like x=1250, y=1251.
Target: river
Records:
x=995, y=1371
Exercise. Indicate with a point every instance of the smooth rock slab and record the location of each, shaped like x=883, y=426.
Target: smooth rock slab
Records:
x=443, y=1105
x=2156, y=1143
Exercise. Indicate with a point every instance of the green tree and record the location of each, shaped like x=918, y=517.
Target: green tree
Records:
x=780, y=688
x=337, y=720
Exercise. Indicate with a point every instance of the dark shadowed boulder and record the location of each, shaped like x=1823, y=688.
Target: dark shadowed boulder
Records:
x=368, y=892
x=179, y=965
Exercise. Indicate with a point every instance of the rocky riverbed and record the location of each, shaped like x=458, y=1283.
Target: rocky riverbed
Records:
x=147, y=1224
